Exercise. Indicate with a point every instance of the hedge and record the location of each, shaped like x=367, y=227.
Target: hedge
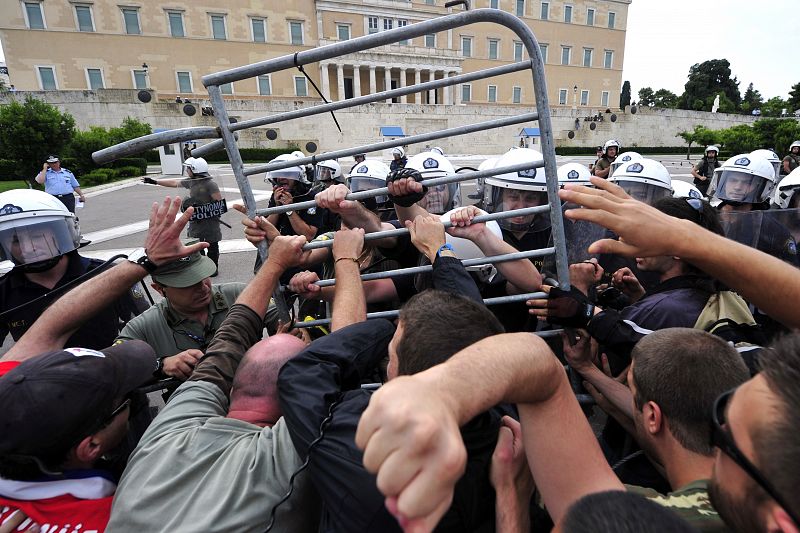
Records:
x=590, y=150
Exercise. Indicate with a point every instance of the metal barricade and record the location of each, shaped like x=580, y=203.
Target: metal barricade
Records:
x=226, y=133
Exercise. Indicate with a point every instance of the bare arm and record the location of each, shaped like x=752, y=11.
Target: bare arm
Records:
x=169, y=182
x=353, y=213
x=301, y=227
x=349, y=303
x=763, y=280
x=601, y=172
x=41, y=175
x=72, y=310
x=80, y=193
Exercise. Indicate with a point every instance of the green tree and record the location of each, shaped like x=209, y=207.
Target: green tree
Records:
x=30, y=131
x=740, y=139
x=665, y=98
x=752, y=99
x=774, y=107
x=766, y=129
x=129, y=129
x=625, y=95
x=786, y=133
x=709, y=79
x=794, y=98
x=646, y=97
x=701, y=136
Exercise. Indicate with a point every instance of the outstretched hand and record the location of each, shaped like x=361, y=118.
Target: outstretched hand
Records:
x=333, y=199
x=163, y=243
x=257, y=229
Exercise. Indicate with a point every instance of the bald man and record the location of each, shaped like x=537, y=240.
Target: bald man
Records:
x=182, y=472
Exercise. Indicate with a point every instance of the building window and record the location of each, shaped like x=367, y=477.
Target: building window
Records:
x=584, y=97
x=388, y=24
x=300, y=88
x=612, y=19
x=430, y=40
x=545, y=14
x=372, y=24
x=466, y=46
x=259, y=27
x=492, y=96
x=494, y=46
x=590, y=17
x=218, y=27
x=608, y=59
x=33, y=13
x=176, y=23
x=184, y=82
x=296, y=32
x=562, y=97
x=47, y=78
x=430, y=2
x=494, y=4
x=402, y=23
x=568, y=14
x=516, y=95
x=520, y=8
x=566, y=51
x=604, y=97
x=130, y=16
x=466, y=92
x=83, y=14
x=518, y=51
x=343, y=32
x=587, y=57
x=264, y=85
x=140, y=79
x=94, y=79
x=543, y=50
x=227, y=88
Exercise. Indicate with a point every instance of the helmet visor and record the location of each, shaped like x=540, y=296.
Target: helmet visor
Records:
x=33, y=243
x=285, y=173
x=323, y=174
x=644, y=192
x=367, y=184
x=510, y=199
x=439, y=199
x=735, y=186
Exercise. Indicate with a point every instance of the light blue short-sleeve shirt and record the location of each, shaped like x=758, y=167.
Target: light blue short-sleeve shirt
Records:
x=61, y=182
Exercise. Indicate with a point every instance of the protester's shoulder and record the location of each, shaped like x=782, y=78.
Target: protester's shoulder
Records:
x=692, y=503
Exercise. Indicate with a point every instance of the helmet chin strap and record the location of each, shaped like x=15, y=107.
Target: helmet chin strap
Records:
x=40, y=266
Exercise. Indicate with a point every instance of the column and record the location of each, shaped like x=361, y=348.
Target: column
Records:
x=356, y=81
x=326, y=82
x=417, y=81
x=373, y=85
x=446, y=90
x=432, y=92
x=457, y=94
x=340, y=80
x=387, y=83
x=403, y=99
x=454, y=88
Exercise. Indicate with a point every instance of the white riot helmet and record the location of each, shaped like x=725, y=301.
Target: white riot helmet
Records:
x=298, y=154
x=795, y=144
x=439, y=198
x=398, y=152
x=645, y=180
x=608, y=144
x=787, y=190
x=328, y=171
x=466, y=249
x=291, y=173
x=517, y=190
x=743, y=179
x=684, y=189
x=367, y=175
x=574, y=173
x=35, y=230
x=197, y=165
x=711, y=148
x=773, y=159
x=485, y=165
x=625, y=157
x=437, y=150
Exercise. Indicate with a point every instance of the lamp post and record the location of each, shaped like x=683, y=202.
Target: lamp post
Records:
x=146, y=78
x=575, y=97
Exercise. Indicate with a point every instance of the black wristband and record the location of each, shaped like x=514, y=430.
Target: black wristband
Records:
x=409, y=199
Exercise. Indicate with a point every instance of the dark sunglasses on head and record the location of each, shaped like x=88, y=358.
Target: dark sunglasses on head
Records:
x=723, y=439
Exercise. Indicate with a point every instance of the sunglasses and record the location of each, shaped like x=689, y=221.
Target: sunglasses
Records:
x=723, y=439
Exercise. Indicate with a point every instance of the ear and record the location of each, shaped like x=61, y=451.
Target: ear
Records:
x=778, y=521
x=88, y=450
x=652, y=419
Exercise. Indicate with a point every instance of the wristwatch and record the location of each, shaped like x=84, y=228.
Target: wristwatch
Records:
x=139, y=256
x=445, y=247
x=159, y=371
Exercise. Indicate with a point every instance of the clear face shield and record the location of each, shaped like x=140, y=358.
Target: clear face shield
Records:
x=286, y=178
x=740, y=187
x=324, y=175
x=34, y=243
x=501, y=199
x=440, y=198
x=644, y=192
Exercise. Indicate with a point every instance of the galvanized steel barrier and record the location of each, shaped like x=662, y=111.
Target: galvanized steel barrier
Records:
x=225, y=132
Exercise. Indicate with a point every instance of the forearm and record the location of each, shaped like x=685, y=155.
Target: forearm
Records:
x=68, y=313
x=615, y=392
x=299, y=225
x=78, y=190
x=522, y=274
x=273, y=219
x=410, y=213
x=601, y=172
x=168, y=182
x=257, y=293
x=349, y=303
x=512, y=514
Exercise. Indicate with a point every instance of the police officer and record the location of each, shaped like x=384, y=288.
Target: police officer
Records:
x=703, y=171
x=38, y=241
x=399, y=159
x=203, y=190
x=792, y=159
x=603, y=166
x=60, y=182
x=440, y=198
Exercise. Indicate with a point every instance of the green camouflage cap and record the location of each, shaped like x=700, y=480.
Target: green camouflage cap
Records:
x=185, y=272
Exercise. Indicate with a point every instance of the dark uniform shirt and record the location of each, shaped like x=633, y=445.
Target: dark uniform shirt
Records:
x=98, y=333
x=202, y=190
x=602, y=164
x=706, y=169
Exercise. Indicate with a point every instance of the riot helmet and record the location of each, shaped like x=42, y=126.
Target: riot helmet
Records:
x=684, y=189
x=36, y=229
x=794, y=145
x=466, y=249
x=368, y=175
x=294, y=173
x=743, y=179
x=644, y=179
x=573, y=173
x=398, y=152
x=611, y=143
x=328, y=172
x=773, y=159
x=437, y=150
x=712, y=148
x=439, y=198
x=625, y=157
x=786, y=196
x=359, y=158
x=197, y=165
x=517, y=190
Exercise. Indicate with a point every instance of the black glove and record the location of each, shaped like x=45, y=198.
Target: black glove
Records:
x=149, y=181
x=409, y=199
x=570, y=309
